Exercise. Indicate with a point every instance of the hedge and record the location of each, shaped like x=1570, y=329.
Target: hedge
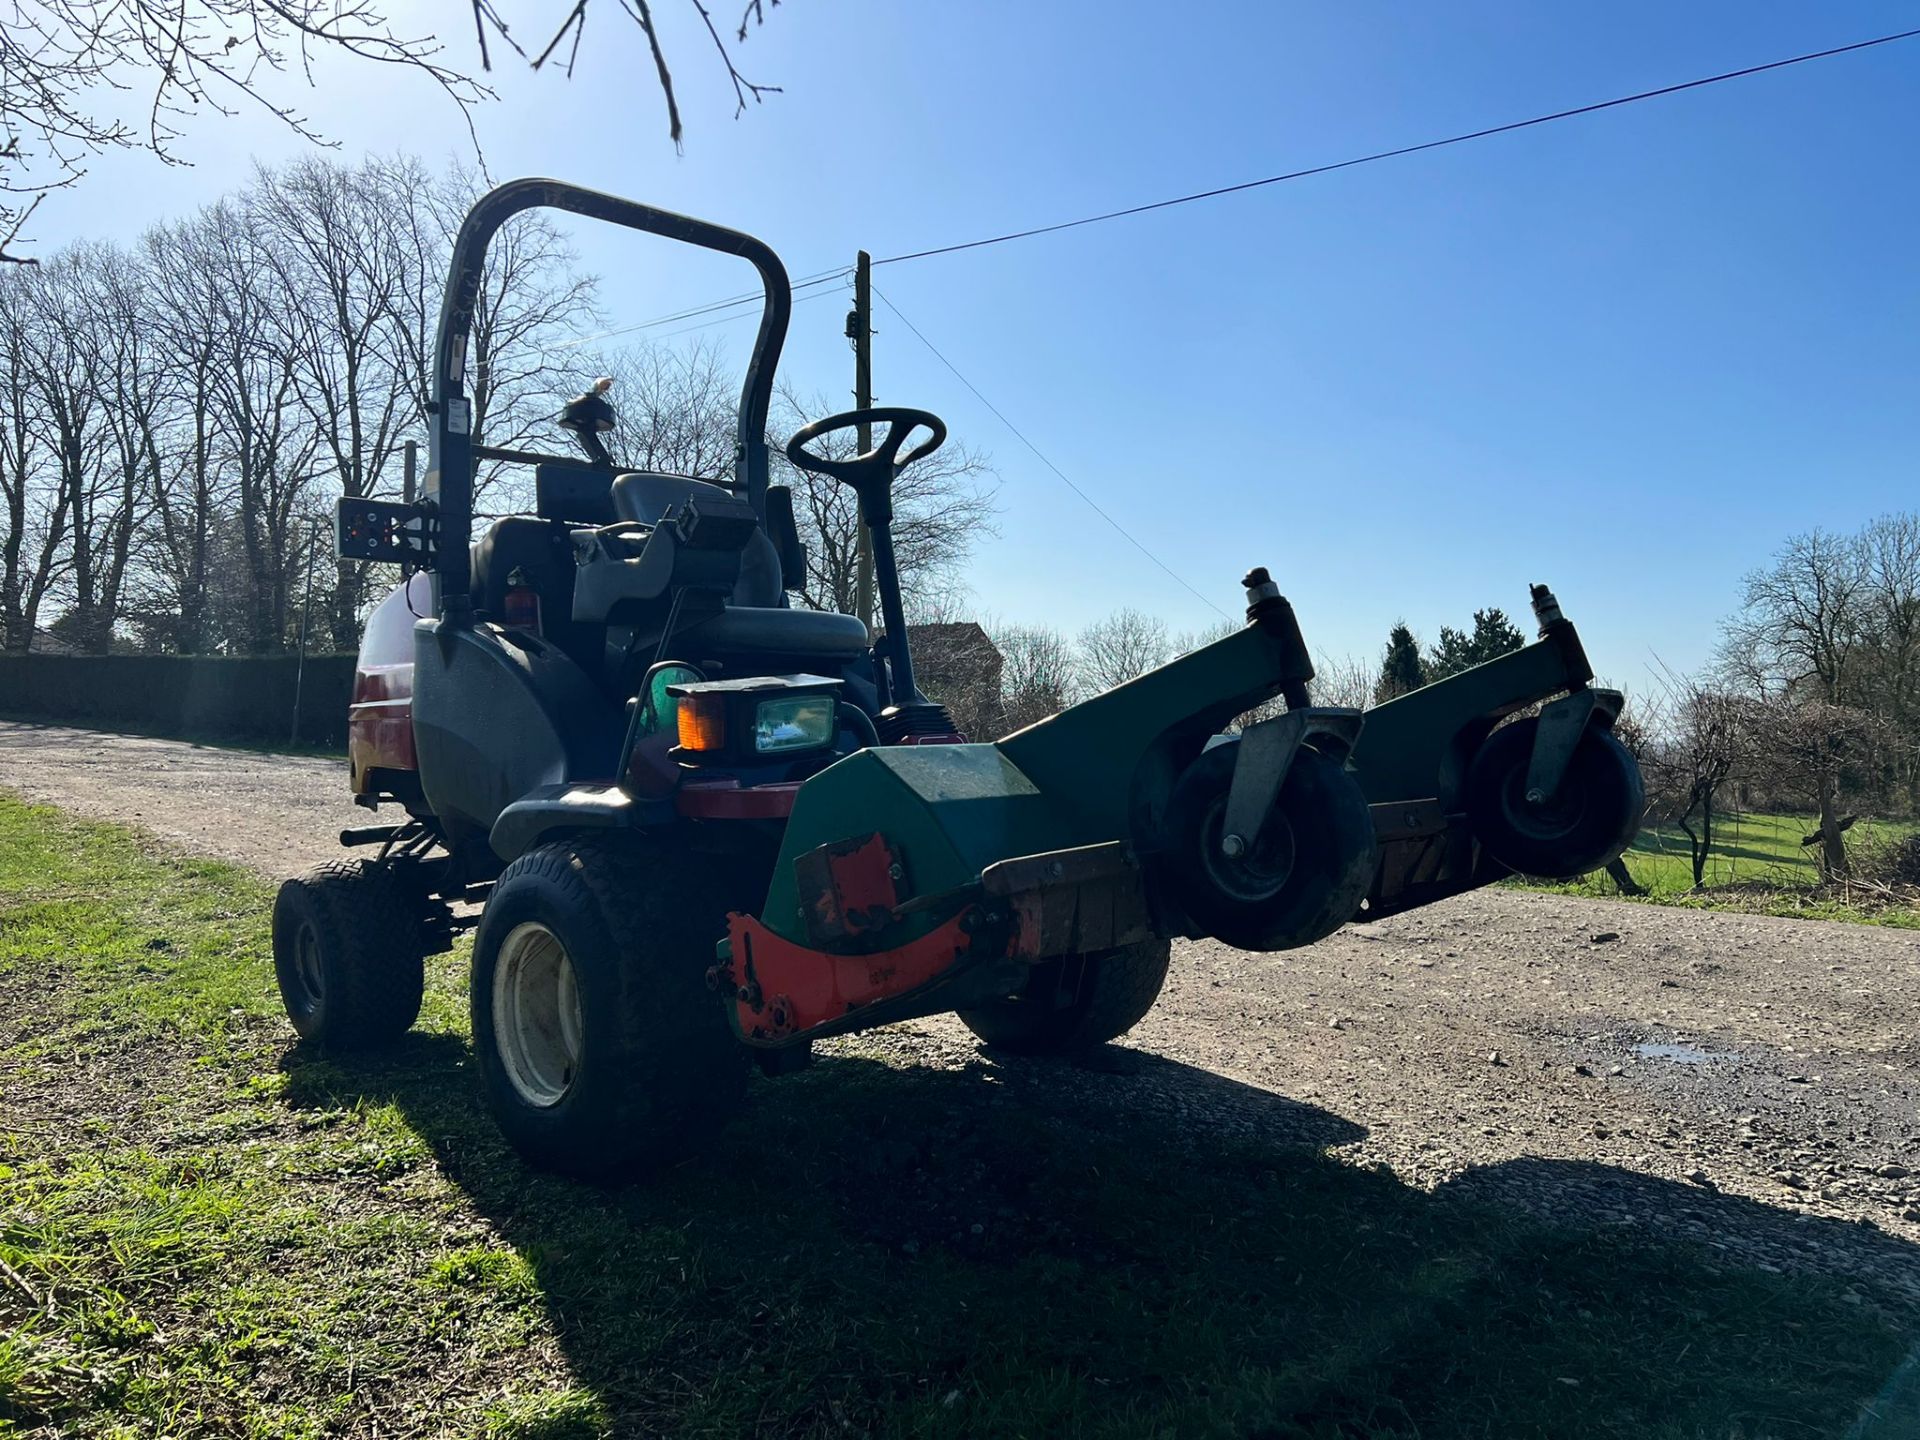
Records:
x=246, y=697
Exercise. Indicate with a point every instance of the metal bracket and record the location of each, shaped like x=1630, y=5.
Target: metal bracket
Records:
x=848, y=892
x=1562, y=723
x=1260, y=767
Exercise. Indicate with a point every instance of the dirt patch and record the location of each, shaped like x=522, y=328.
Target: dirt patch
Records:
x=276, y=813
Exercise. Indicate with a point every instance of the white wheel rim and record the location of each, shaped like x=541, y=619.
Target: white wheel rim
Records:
x=536, y=1015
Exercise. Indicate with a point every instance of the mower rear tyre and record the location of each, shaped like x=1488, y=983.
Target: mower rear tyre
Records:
x=349, y=955
x=1075, y=1004
x=602, y=1050
x=1589, y=823
x=1305, y=876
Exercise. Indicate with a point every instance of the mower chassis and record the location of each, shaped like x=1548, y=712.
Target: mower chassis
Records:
x=1413, y=755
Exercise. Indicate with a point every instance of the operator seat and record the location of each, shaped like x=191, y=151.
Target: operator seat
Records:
x=645, y=496
x=757, y=619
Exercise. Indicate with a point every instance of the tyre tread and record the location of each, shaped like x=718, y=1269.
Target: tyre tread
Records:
x=1117, y=990
x=681, y=1070
x=378, y=975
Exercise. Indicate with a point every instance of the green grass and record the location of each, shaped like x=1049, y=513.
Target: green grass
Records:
x=1756, y=865
x=1748, y=848
x=207, y=1232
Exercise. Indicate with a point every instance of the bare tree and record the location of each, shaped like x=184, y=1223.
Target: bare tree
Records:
x=264, y=442
x=1703, y=740
x=678, y=409
x=140, y=409
x=1125, y=644
x=332, y=257
x=1347, y=680
x=36, y=509
x=182, y=409
x=532, y=297
x=63, y=374
x=185, y=319
x=66, y=64
x=1890, y=559
x=1814, y=749
x=1037, y=673
x=1801, y=620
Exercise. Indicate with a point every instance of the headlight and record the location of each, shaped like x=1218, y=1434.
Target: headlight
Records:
x=754, y=716
x=804, y=722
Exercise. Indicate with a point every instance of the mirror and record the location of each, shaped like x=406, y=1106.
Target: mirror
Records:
x=659, y=711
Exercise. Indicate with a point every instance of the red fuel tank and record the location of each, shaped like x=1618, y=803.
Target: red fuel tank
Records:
x=380, y=717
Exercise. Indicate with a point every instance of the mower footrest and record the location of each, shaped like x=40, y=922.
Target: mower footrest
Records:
x=1072, y=902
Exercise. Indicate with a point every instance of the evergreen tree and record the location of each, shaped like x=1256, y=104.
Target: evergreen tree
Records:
x=1493, y=635
x=1402, y=669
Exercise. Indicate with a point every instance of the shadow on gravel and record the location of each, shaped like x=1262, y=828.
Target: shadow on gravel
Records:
x=1740, y=1231
x=1140, y=1247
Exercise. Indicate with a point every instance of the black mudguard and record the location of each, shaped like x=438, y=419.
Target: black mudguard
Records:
x=499, y=713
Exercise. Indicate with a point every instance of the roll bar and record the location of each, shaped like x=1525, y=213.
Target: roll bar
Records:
x=450, y=446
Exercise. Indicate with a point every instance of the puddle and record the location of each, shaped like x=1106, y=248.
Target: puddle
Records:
x=1679, y=1054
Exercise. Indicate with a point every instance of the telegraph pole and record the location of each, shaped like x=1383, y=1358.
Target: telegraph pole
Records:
x=860, y=331
x=306, y=622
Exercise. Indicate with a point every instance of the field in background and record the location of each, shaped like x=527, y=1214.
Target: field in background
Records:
x=1758, y=865
x=206, y=1230
x=1749, y=848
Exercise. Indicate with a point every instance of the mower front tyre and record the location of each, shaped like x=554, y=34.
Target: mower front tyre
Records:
x=602, y=1051
x=1585, y=825
x=349, y=954
x=1076, y=1003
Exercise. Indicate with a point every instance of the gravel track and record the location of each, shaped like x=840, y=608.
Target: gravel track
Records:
x=1491, y=1045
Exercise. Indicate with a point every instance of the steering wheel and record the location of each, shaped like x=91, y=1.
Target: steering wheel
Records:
x=870, y=475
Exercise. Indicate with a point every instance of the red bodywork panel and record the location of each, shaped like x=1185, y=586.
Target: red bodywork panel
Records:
x=794, y=988
x=851, y=889
x=380, y=717
x=1029, y=908
x=725, y=798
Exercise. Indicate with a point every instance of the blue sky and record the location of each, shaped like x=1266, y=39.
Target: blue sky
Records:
x=1627, y=354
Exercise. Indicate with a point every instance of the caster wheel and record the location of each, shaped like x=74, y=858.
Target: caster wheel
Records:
x=1584, y=827
x=1304, y=879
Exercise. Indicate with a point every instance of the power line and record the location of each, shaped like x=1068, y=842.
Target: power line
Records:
x=824, y=276
x=1401, y=150
x=1065, y=479
x=746, y=297
x=743, y=315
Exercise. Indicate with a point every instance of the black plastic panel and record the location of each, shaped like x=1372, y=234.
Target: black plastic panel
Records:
x=497, y=715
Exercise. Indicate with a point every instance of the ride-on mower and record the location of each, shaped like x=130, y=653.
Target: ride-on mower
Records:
x=706, y=828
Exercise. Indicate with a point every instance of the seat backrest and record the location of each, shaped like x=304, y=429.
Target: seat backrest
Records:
x=577, y=493
x=646, y=496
